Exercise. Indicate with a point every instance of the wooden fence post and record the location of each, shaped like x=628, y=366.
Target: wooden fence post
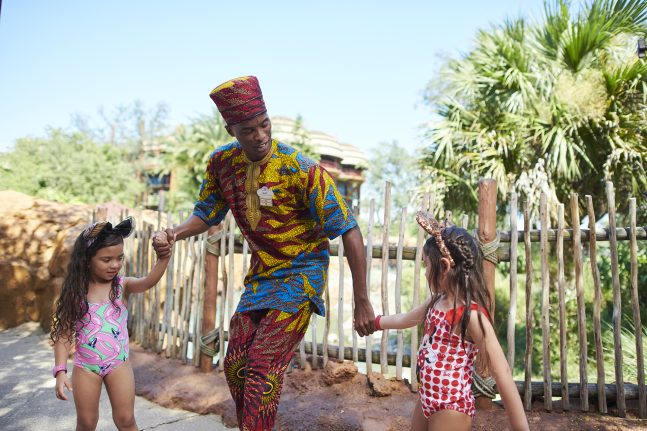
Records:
x=512, y=312
x=487, y=234
x=210, y=297
x=384, y=367
x=527, y=398
x=101, y=213
x=424, y=206
x=544, y=250
x=617, y=303
x=561, y=286
x=398, y=294
x=581, y=310
x=597, y=326
x=642, y=395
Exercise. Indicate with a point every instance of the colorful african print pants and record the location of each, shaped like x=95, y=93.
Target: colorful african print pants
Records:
x=261, y=344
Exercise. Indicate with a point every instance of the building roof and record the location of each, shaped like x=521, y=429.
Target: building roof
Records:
x=284, y=128
x=353, y=156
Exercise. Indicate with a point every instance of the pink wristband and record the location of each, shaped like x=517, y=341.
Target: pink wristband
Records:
x=377, y=322
x=58, y=368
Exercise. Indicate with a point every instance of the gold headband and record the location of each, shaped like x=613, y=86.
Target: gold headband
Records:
x=433, y=228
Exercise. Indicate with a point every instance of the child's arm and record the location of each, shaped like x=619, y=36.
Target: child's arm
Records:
x=62, y=348
x=136, y=285
x=405, y=320
x=498, y=366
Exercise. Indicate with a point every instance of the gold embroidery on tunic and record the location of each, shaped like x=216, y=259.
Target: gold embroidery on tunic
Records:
x=252, y=200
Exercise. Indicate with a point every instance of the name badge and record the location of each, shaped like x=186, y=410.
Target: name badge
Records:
x=265, y=194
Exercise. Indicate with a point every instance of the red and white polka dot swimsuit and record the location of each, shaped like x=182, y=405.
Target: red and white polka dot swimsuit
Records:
x=446, y=365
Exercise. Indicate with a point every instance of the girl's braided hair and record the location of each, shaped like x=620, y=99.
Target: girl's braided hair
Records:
x=466, y=279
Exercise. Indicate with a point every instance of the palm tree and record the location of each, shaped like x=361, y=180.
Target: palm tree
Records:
x=187, y=155
x=557, y=106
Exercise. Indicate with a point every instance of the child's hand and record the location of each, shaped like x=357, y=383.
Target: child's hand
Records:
x=62, y=382
x=163, y=243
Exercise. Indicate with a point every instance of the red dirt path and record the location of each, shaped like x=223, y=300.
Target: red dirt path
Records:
x=308, y=403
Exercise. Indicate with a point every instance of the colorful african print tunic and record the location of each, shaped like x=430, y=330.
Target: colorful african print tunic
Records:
x=287, y=206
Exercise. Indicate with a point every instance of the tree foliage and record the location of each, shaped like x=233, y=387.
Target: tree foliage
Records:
x=70, y=168
x=129, y=126
x=138, y=130
x=187, y=155
x=393, y=163
x=557, y=106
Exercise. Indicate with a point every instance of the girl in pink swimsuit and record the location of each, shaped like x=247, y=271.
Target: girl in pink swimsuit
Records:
x=91, y=315
x=457, y=326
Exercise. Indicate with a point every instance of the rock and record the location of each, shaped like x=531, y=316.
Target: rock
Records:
x=47, y=303
x=380, y=387
x=36, y=239
x=338, y=372
x=29, y=230
x=16, y=295
x=62, y=250
x=14, y=202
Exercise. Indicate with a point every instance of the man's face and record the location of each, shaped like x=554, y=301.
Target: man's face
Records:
x=255, y=136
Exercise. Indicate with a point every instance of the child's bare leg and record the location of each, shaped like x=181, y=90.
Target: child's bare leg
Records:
x=449, y=420
x=120, y=384
x=419, y=421
x=87, y=390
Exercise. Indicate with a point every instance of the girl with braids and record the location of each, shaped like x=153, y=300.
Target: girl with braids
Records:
x=90, y=313
x=457, y=326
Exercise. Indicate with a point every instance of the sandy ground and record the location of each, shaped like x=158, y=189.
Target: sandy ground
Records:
x=312, y=401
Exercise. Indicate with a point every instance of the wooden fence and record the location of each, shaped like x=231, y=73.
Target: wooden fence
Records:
x=169, y=318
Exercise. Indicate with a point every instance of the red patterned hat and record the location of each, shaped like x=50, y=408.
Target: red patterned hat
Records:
x=239, y=99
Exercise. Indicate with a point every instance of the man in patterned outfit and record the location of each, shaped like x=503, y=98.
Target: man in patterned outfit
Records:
x=287, y=207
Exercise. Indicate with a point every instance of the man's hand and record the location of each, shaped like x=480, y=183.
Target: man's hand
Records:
x=163, y=243
x=364, y=317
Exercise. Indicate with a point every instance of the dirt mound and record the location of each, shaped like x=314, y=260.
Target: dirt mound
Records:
x=312, y=400
x=335, y=373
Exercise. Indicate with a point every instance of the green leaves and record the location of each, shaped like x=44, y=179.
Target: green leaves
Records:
x=69, y=167
x=568, y=92
x=187, y=155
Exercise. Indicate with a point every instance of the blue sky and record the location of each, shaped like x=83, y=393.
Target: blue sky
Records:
x=353, y=69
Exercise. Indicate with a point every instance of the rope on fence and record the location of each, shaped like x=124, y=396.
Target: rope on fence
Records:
x=489, y=250
x=483, y=386
x=210, y=337
x=211, y=243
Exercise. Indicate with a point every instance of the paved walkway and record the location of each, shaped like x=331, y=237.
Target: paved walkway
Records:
x=27, y=400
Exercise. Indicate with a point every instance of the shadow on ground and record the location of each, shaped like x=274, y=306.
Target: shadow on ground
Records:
x=27, y=400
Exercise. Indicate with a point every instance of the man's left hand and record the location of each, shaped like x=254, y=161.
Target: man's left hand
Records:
x=163, y=243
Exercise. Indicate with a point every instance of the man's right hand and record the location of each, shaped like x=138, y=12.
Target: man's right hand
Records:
x=162, y=242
